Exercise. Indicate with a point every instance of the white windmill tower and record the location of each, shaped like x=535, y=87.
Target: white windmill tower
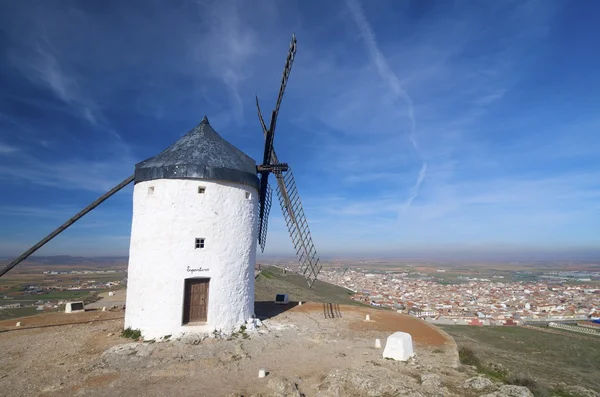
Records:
x=193, y=237
x=199, y=209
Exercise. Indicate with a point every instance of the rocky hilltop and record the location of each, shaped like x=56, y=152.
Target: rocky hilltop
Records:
x=322, y=348
x=315, y=349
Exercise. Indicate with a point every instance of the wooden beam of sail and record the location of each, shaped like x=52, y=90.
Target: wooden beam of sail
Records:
x=65, y=225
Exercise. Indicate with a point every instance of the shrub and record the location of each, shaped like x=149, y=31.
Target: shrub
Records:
x=538, y=389
x=468, y=357
x=134, y=334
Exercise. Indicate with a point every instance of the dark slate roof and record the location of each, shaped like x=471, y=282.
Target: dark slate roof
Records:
x=199, y=154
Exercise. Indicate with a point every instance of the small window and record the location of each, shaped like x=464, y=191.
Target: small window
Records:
x=199, y=243
x=150, y=190
x=248, y=195
x=201, y=189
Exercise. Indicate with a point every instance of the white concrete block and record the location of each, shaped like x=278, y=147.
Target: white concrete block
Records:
x=282, y=299
x=367, y=318
x=378, y=343
x=18, y=324
x=103, y=308
x=399, y=346
x=74, y=307
x=262, y=373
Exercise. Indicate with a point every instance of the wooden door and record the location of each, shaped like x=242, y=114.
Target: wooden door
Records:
x=195, y=307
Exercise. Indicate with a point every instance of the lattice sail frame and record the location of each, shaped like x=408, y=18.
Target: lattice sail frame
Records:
x=293, y=213
x=263, y=226
x=287, y=192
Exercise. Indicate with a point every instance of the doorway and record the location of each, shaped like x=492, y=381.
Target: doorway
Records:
x=195, y=302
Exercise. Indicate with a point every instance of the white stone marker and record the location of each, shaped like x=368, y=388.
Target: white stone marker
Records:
x=262, y=373
x=378, y=343
x=19, y=324
x=103, y=308
x=367, y=318
x=299, y=303
x=398, y=346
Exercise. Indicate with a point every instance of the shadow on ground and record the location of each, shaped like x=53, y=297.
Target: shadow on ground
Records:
x=331, y=310
x=269, y=309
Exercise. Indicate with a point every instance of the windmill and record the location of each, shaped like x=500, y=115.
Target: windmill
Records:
x=287, y=192
x=199, y=209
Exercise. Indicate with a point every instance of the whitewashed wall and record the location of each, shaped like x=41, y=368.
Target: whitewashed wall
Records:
x=162, y=254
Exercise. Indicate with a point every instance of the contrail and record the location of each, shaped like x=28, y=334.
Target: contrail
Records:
x=388, y=75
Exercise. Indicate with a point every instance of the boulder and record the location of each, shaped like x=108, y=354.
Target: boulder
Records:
x=511, y=391
x=282, y=387
x=431, y=381
x=478, y=383
x=398, y=346
x=192, y=339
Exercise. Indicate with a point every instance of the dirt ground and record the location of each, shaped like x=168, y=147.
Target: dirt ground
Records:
x=312, y=350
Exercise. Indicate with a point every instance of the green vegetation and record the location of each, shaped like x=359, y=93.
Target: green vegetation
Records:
x=468, y=357
x=134, y=334
x=266, y=274
x=56, y=295
x=272, y=281
x=6, y=314
x=525, y=357
x=499, y=373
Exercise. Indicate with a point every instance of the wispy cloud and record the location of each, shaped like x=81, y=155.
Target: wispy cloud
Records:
x=390, y=78
x=227, y=46
x=7, y=149
x=74, y=174
x=437, y=119
x=43, y=66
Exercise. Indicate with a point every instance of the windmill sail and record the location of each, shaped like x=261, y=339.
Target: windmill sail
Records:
x=287, y=192
x=262, y=232
x=268, y=164
x=65, y=225
x=293, y=213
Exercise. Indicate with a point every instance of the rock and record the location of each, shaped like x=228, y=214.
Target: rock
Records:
x=251, y=327
x=431, y=381
x=192, y=339
x=145, y=350
x=282, y=387
x=580, y=391
x=358, y=382
x=130, y=349
x=126, y=349
x=478, y=383
x=511, y=391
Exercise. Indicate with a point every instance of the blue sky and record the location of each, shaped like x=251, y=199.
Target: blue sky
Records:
x=413, y=127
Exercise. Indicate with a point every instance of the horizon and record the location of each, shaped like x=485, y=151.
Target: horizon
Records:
x=455, y=130
x=438, y=258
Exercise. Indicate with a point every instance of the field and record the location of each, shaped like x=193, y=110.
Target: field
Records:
x=6, y=314
x=30, y=283
x=545, y=357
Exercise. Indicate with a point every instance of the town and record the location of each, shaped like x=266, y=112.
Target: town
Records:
x=478, y=301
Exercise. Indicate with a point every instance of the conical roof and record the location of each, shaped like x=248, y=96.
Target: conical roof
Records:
x=200, y=154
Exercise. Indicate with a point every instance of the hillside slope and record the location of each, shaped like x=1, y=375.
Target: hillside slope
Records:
x=272, y=281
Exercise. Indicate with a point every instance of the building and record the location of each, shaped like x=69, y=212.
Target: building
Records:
x=193, y=238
